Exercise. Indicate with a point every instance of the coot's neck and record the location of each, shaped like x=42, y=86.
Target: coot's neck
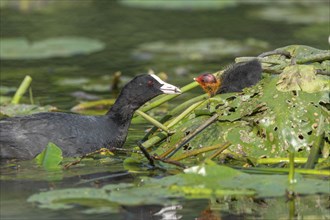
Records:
x=122, y=111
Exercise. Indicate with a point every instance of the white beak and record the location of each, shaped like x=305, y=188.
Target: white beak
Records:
x=166, y=87
x=170, y=89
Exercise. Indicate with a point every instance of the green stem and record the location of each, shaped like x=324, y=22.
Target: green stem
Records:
x=317, y=146
x=166, y=98
x=291, y=168
x=21, y=89
x=197, y=151
x=286, y=170
x=292, y=209
x=153, y=121
x=221, y=149
x=31, y=96
x=155, y=139
x=162, y=135
x=187, y=138
x=185, y=113
x=299, y=160
x=174, y=111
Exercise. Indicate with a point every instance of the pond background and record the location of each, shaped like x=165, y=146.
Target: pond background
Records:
x=123, y=29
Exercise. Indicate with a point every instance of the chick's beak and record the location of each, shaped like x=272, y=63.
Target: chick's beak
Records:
x=197, y=79
x=170, y=89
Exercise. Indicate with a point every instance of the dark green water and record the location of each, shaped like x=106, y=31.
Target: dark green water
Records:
x=123, y=29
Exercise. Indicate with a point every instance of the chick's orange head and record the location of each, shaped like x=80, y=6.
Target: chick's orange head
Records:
x=209, y=83
x=206, y=78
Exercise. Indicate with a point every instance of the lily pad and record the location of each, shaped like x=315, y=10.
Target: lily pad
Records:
x=180, y=4
x=295, y=14
x=5, y=90
x=5, y=99
x=320, y=31
x=304, y=78
x=11, y=110
x=77, y=81
x=21, y=48
x=99, y=104
x=204, y=181
x=261, y=121
x=201, y=49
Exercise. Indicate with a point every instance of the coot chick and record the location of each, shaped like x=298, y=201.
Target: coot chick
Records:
x=234, y=79
x=25, y=137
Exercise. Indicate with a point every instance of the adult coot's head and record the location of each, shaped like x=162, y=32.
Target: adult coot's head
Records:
x=143, y=88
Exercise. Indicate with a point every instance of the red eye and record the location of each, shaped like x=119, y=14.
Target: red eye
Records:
x=150, y=83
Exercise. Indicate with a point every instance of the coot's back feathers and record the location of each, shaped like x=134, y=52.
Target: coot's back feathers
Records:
x=25, y=137
x=239, y=76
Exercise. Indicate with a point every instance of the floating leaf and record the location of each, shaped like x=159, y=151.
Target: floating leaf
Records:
x=204, y=181
x=4, y=100
x=24, y=109
x=302, y=77
x=50, y=157
x=21, y=48
x=97, y=87
x=99, y=104
x=201, y=49
x=5, y=90
x=180, y=4
x=294, y=14
x=77, y=81
x=260, y=121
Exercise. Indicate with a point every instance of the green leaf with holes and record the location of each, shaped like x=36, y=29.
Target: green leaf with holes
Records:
x=261, y=121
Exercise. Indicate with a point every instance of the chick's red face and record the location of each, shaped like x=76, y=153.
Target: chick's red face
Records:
x=209, y=83
x=206, y=78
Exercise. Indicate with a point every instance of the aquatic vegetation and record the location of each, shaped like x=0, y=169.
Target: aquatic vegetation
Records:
x=253, y=132
x=201, y=49
x=21, y=48
x=203, y=181
x=180, y=4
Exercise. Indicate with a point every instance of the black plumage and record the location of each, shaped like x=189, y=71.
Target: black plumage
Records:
x=25, y=137
x=239, y=76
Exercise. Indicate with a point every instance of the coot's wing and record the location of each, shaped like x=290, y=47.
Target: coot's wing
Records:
x=25, y=137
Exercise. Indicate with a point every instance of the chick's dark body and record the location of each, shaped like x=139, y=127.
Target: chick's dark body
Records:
x=239, y=76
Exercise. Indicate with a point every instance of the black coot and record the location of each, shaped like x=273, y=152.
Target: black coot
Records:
x=25, y=137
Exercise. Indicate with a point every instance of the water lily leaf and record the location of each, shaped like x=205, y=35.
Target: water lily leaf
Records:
x=66, y=198
x=288, y=123
x=21, y=48
x=318, y=30
x=294, y=14
x=180, y=4
x=6, y=89
x=206, y=181
x=211, y=174
x=31, y=172
x=77, y=81
x=11, y=110
x=5, y=100
x=302, y=77
x=50, y=157
x=99, y=104
x=202, y=49
x=261, y=121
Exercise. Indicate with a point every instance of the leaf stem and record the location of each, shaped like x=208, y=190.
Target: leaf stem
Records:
x=22, y=89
